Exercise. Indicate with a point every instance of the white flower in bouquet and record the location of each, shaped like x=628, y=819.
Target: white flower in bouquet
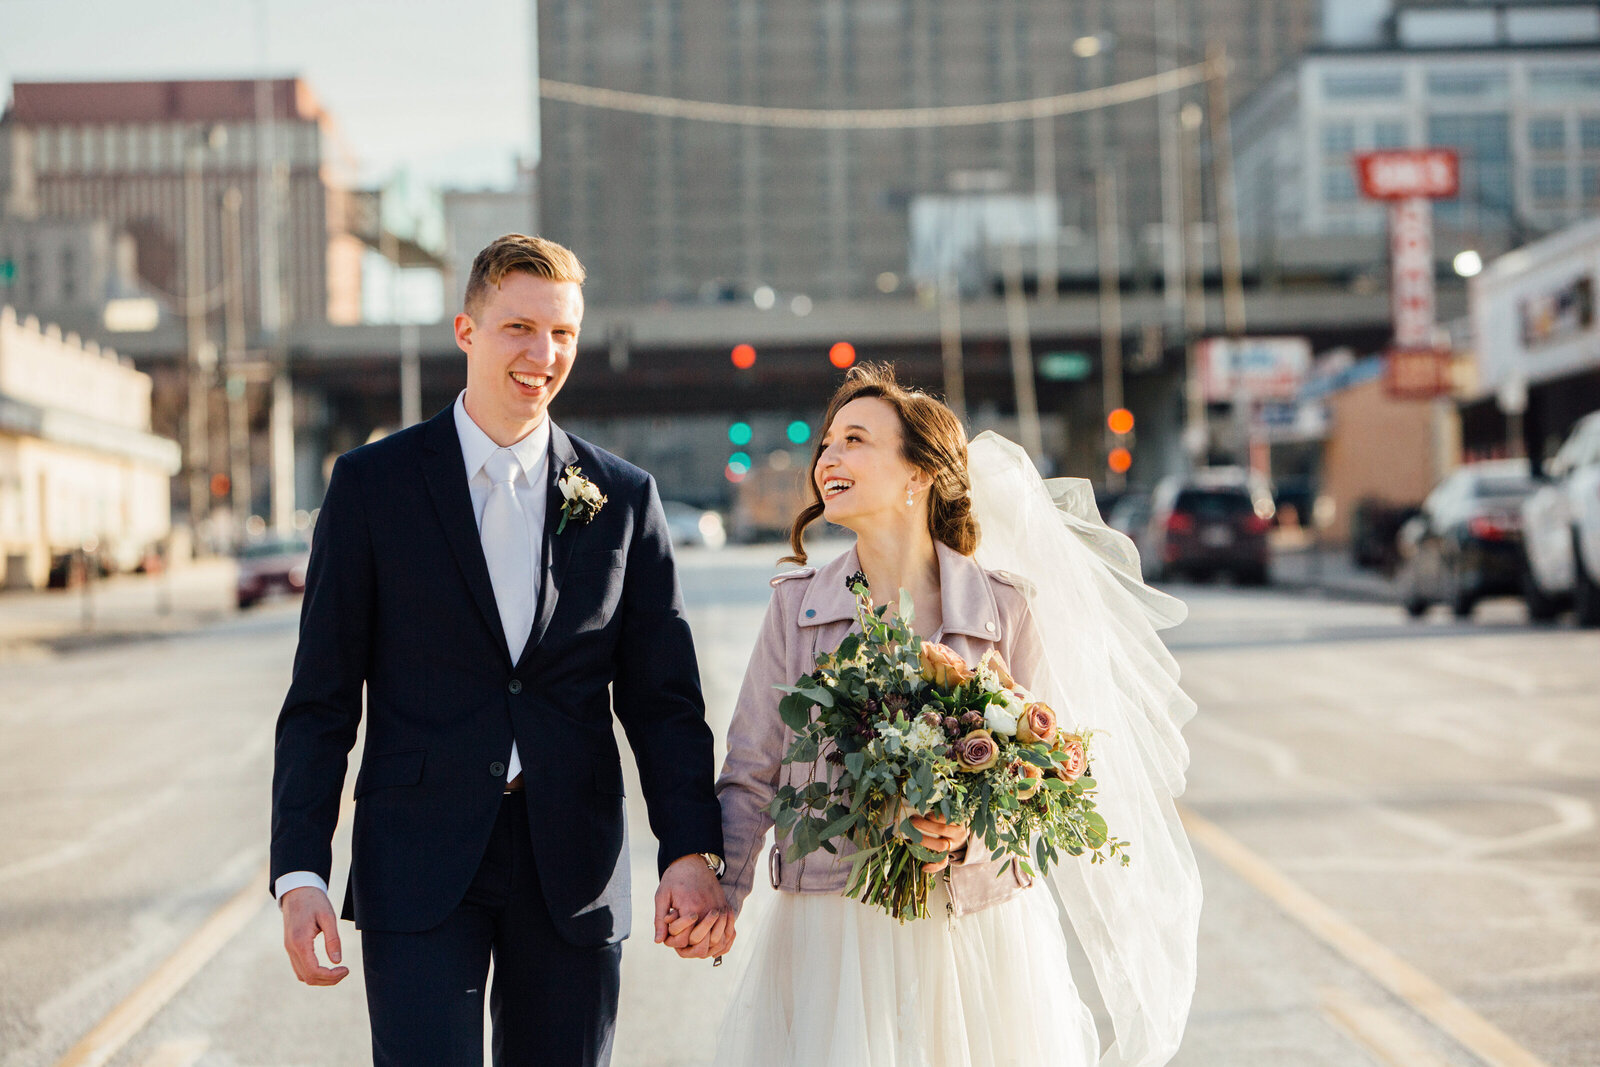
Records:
x=1002, y=718
x=924, y=736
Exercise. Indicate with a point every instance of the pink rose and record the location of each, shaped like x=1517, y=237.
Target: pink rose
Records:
x=1037, y=723
x=1073, y=756
x=942, y=666
x=977, y=751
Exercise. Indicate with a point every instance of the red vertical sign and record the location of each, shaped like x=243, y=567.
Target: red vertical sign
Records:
x=1411, y=267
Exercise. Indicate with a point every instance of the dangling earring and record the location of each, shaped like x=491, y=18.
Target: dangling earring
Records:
x=909, y=502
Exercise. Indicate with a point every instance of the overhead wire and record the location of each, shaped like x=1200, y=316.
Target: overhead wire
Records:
x=877, y=118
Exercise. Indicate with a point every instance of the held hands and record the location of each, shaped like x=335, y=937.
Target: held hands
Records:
x=306, y=912
x=941, y=837
x=692, y=913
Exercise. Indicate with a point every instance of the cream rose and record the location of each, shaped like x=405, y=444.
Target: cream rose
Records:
x=1037, y=723
x=942, y=666
x=977, y=751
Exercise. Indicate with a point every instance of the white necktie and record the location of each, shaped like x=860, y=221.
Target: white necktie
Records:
x=508, y=549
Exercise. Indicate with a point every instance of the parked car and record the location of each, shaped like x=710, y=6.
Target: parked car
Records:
x=272, y=565
x=1466, y=542
x=1561, y=530
x=1214, y=522
x=690, y=525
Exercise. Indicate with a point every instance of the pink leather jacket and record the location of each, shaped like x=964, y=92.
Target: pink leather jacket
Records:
x=811, y=611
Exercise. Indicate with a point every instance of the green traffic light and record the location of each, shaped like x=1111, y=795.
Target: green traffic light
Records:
x=739, y=459
x=740, y=433
x=799, y=432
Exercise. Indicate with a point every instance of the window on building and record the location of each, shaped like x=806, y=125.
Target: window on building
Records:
x=1589, y=183
x=1483, y=141
x=1365, y=85
x=1547, y=133
x=1549, y=183
x=1589, y=133
x=1338, y=139
x=1482, y=84
x=1559, y=83
x=1339, y=185
x=69, y=276
x=1390, y=134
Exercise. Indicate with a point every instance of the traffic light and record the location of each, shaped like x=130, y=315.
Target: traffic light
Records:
x=842, y=354
x=744, y=356
x=1119, y=460
x=1120, y=421
x=799, y=432
x=740, y=433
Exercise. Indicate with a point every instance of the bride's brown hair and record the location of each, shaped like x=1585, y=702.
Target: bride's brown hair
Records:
x=931, y=440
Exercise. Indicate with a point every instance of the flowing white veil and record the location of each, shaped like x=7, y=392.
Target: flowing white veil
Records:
x=1110, y=673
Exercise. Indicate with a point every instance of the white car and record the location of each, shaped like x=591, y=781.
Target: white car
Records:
x=1561, y=530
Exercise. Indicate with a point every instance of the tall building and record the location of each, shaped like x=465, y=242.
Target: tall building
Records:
x=123, y=152
x=671, y=209
x=1514, y=90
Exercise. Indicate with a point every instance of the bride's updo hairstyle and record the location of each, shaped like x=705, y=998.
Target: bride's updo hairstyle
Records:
x=931, y=440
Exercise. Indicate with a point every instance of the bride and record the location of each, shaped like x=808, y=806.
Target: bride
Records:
x=833, y=982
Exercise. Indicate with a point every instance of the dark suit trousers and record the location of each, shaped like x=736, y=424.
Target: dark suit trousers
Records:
x=554, y=1004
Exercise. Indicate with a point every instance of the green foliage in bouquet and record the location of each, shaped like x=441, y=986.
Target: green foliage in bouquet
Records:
x=908, y=728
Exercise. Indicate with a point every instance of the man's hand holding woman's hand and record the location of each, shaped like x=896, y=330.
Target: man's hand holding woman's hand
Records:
x=692, y=912
x=940, y=836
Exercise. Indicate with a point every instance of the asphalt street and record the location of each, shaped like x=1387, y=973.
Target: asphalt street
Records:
x=1395, y=823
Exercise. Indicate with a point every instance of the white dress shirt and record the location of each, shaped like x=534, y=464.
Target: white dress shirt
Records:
x=533, y=453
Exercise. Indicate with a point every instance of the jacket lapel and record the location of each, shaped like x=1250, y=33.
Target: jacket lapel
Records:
x=557, y=550
x=447, y=486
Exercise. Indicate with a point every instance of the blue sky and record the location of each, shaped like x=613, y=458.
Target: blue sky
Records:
x=439, y=87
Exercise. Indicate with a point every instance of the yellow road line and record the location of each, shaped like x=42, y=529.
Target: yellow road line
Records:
x=184, y=1052
x=1430, y=1000
x=129, y=1017
x=1377, y=1030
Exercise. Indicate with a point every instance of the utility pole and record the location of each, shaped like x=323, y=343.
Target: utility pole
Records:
x=1032, y=440
x=955, y=378
x=1195, y=434
x=271, y=180
x=202, y=359
x=1172, y=257
x=1107, y=212
x=1227, y=205
x=238, y=390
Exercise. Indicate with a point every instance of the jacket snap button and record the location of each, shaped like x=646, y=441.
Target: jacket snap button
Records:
x=811, y=613
x=496, y=769
x=515, y=685
x=989, y=626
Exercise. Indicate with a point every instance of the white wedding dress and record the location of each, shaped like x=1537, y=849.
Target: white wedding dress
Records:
x=831, y=982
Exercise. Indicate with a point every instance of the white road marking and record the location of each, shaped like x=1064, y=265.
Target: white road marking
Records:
x=1425, y=996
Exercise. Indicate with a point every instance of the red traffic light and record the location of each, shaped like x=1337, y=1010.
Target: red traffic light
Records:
x=1119, y=460
x=744, y=356
x=842, y=354
x=1120, y=421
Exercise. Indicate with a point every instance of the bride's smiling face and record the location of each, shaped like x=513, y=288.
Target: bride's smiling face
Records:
x=861, y=474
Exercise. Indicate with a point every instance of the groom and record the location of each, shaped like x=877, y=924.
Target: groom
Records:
x=498, y=589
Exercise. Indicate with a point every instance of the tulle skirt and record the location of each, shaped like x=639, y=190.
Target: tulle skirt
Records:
x=830, y=982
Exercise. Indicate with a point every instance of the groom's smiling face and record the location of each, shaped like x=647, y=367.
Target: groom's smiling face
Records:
x=520, y=343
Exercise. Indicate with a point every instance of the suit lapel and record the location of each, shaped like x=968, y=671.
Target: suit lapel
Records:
x=557, y=549
x=447, y=485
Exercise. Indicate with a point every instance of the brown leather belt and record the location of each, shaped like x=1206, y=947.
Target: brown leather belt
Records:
x=516, y=785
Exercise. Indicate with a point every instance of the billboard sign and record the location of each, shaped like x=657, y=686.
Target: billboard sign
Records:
x=1401, y=174
x=1417, y=373
x=1253, y=368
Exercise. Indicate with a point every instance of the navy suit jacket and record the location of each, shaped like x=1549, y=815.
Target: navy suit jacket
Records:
x=398, y=602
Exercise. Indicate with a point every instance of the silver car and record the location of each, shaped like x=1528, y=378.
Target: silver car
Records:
x=1561, y=530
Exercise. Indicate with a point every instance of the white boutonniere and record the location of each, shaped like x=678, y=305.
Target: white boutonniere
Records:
x=581, y=498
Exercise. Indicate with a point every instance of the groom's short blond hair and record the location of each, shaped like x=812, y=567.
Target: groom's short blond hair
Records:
x=519, y=252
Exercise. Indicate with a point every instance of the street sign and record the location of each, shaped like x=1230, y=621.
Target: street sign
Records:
x=1253, y=368
x=1417, y=373
x=1399, y=174
x=8, y=271
x=1064, y=366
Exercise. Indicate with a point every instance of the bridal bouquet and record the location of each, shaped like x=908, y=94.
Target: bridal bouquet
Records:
x=915, y=730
